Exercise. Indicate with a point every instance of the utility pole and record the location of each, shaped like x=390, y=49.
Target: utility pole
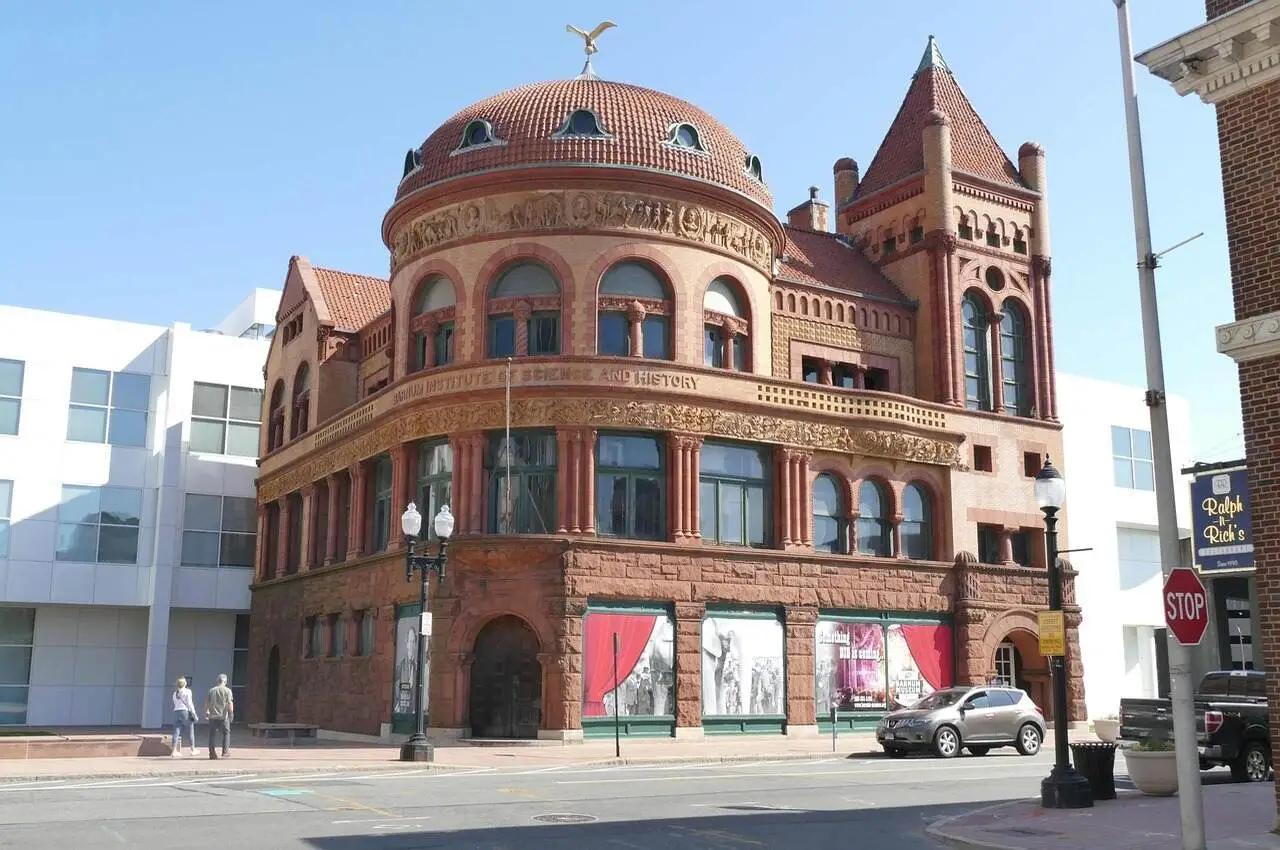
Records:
x=1190, y=798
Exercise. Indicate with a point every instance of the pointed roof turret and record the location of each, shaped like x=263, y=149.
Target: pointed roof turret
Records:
x=973, y=149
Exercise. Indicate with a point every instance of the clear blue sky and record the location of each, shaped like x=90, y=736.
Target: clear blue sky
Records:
x=158, y=160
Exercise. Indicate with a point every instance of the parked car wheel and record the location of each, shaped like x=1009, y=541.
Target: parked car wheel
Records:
x=946, y=742
x=979, y=751
x=895, y=752
x=1252, y=765
x=1028, y=739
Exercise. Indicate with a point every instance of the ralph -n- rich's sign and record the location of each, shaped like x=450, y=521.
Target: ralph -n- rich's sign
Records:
x=1221, y=522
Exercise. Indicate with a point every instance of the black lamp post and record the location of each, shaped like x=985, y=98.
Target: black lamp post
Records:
x=1063, y=788
x=418, y=747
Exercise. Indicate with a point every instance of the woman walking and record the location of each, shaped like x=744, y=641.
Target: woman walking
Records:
x=184, y=717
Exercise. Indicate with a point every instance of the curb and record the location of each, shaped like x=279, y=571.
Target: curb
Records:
x=938, y=830
x=434, y=767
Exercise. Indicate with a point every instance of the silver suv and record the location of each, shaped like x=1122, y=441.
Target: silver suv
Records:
x=973, y=718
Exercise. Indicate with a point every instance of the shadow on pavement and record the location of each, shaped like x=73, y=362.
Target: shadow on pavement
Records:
x=566, y=827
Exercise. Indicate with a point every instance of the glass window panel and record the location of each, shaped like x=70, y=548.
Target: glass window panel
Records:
x=15, y=665
x=246, y=404
x=712, y=347
x=634, y=279
x=240, y=668
x=914, y=504
x=826, y=534
x=90, y=386
x=131, y=391
x=122, y=506
x=915, y=540
x=209, y=400
x=200, y=548
x=540, y=504
x=611, y=504
x=614, y=336
x=118, y=545
x=1124, y=472
x=13, y=706
x=757, y=530
x=525, y=279
x=629, y=452
x=11, y=374
x=87, y=424
x=202, y=513
x=730, y=512
x=207, y=436
x=237, y=550
x=721, y=297
x=436, y=459
x=740, y=353
x=10, y=412
x=544, y=334
x=6, y=498
x=17, y=626
x=656, y=334
x=239, y=514
x=79, y=504
x=733, y=461
x=444, y=344
x=502, y=336
x=1144, y=475
x=826, y=496
x=647, y=508
x=1120, y=446
x=128, y=428
x=242, y=440
x=4, y=538
x=241, y=638
x=77, y=543
x=1141, y=444
x=707, y=509
x=870, y=500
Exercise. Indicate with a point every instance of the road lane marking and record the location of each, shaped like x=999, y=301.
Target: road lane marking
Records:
x=380, y=820
x=518, y=792
x=356, y=804
x=109, y=831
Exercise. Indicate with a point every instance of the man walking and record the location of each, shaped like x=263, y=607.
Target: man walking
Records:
x=219, y=708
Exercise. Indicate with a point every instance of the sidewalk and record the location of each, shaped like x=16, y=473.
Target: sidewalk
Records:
x=1237, y=817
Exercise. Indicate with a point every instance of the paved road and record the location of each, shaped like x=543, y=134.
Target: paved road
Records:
x=836, y=802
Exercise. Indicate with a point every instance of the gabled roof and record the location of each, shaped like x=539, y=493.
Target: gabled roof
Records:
x=344, y=301
x=973, y=148
x=823, y=259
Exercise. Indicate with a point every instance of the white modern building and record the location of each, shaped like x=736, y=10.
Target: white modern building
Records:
x=127, y=523
x=1111, y=508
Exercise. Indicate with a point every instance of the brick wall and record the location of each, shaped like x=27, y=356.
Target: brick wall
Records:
x=1216, y=8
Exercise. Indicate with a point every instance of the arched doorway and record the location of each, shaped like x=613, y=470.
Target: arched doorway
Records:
x=506, y=681
x=273, y=684
x=1019, y=664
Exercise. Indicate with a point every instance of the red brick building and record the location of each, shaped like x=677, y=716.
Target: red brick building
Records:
x=1233, y=62
x=788, y=467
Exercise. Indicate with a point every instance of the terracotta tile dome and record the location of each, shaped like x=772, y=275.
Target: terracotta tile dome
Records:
x=638, y=123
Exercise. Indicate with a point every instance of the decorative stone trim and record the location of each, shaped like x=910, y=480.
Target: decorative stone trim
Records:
x=1250, y=339
x=1224, y=57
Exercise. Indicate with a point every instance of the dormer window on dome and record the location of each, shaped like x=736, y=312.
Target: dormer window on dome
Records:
x=685, y=136
x=478, y=134
x=753, y=167
x=412, y=162
x=583, y=123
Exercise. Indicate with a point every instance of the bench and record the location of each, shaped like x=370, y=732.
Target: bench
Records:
x=291, y=732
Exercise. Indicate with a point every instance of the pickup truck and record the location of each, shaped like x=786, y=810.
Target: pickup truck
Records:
x=1231, y=723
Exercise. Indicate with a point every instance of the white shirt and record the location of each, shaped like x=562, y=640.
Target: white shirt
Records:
x=182, y=699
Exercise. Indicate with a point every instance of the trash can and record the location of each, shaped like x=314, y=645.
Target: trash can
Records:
x=1096, y=761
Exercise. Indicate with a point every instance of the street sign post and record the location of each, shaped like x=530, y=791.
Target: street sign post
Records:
x=1186, y=606
x=1053, y=633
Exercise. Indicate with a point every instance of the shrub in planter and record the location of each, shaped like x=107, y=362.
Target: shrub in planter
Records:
x=1152, y=765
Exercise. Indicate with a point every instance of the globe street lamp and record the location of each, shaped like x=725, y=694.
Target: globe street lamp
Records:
x=1063, y=788
x=418, y=747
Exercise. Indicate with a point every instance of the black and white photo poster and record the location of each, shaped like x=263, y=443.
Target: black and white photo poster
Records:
x=742, y=667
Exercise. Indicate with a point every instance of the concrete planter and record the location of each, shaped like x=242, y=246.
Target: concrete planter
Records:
x=1153, y=773
x=1107, y=730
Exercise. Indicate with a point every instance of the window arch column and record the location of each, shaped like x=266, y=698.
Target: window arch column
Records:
x=895, y=532
x=282, y=537
x=356, y=510
x=685, y=472
x=635, y=315
x=796, y=497
x=308, y=525
x=576, y=480
x=995, y=369
x=467, y=483
x=331, y=528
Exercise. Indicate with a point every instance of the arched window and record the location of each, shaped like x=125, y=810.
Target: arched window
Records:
x=276, y=417
x=301, y=404
x=1015, y=360
x=431, y=328
x=685, y=136
x=753, y=167
x=583, y=122
x=874, y=537
x=829, y=525
x=726, y=332
x=478, y=133
x=977, y=354
x=525, y=296
x=623, y=329
x=917, y=523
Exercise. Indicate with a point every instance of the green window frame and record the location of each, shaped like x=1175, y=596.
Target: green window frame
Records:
x=631, y=486
x=435, y=481
x=734, y=494
x=380, y=514
x=530, y=507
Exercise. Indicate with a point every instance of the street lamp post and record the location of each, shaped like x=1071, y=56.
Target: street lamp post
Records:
x=1063, y=788
x=418, y=747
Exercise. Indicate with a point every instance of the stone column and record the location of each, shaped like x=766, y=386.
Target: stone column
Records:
x=675, y=486
x=355, y=517
x=307, y=555
x=804, y=460
x=824, y=373
x=635, y=318
x=785, y=482
x=972, y=668
x=688, y=649
x=523, y=311
x=1006, y=546
x=896, y=532
x=403, y=475
x=334, y=519
x=859, y=377
x=586, y=513
x=262, y=545
x=475, y=492
x=429, y=328
x=734, y=329
x=460, y=483
x=282, y=536
x=566, y=471
x=800, y=628
x=996, y=366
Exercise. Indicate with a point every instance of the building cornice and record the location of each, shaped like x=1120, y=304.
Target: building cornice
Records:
x=1250, y=339
x=1224, y=57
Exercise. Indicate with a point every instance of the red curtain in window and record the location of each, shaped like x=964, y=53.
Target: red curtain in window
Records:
x=633, y=632
x=930, y=648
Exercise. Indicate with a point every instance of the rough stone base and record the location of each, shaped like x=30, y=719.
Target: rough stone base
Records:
x=568, y=736
x=690, y=733
x=801, y=731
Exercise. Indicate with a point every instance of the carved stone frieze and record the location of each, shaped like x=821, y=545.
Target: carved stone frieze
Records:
x=430, y=421
x=573, y=210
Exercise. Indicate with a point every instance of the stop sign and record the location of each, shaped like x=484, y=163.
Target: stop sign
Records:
x=1186, y=606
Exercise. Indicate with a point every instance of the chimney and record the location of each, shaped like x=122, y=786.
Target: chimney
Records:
x=811, y=215
x=846, y=171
